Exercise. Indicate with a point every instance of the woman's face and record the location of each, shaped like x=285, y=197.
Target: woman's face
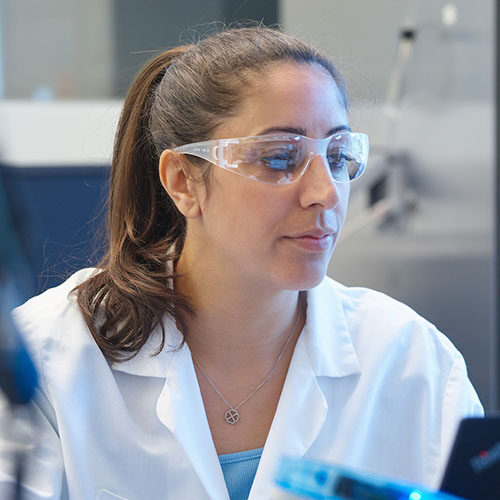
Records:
x=279, y=236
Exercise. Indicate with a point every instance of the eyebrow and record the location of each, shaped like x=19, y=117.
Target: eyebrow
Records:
x=301, y=131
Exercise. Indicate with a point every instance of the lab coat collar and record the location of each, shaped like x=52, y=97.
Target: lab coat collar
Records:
x=326, y=335
x=299, y=417
x=180, y=405
x=180, y=408
x=324, y=349
x=146, y=362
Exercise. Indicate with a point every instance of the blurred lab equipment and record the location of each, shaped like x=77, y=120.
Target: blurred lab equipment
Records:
x=472, y=472
x=18, y=377
x=309, y=479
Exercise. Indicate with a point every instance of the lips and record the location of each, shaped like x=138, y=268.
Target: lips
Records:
x=316, y=233
x=315, y=240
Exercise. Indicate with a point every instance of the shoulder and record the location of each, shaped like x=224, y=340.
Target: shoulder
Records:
x=397, y=348
x=54, y=329
x=55, y=306
x=363, y=302
x=380, y=327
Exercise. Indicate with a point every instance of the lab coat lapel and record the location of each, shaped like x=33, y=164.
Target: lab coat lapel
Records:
x=324, y=349
x=180, y=408
x=299, y=417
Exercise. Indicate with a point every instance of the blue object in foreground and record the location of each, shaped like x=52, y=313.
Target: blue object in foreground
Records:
x=310, y=479
x=18, y=377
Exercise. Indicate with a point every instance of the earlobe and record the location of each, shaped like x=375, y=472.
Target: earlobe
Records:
x=178, y=184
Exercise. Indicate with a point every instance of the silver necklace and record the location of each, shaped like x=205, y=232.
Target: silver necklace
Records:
x=232, y=415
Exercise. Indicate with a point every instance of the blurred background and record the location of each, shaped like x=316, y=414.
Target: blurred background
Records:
x=421, y=78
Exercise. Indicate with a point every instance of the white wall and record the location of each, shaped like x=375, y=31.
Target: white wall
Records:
x=59, y=48
x=449, y=62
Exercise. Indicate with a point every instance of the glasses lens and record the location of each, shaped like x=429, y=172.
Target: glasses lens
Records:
x=274, y=161
x=342, y=158
x=282, y=159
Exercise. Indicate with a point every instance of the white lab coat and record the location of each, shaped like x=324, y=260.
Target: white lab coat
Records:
x=371, y=385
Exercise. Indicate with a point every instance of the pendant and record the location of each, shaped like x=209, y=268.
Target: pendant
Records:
x=231, y=416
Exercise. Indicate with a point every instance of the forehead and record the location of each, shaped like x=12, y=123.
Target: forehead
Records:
x=288, y=95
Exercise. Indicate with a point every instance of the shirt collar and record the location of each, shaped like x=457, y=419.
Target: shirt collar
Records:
x=325, y=334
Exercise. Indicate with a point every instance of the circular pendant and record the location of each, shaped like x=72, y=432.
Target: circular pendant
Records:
x=231, y=416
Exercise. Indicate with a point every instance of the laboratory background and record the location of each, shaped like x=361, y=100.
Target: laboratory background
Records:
x=422, y=222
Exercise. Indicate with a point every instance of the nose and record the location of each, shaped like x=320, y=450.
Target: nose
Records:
x=318, y=188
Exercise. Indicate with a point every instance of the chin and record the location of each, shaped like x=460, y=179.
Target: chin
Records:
x=304, y=277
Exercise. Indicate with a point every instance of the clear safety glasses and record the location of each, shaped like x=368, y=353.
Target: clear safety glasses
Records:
x=282, y=159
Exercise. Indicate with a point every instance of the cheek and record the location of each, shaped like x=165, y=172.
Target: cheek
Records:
x=245, y=213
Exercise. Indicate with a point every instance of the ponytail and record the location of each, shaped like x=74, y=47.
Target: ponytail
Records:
x=127, y=298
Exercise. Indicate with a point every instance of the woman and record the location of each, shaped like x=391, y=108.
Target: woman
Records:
x=209, y=341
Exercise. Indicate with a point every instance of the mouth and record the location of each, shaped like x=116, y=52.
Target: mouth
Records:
x=313, y=242
x=315, y=232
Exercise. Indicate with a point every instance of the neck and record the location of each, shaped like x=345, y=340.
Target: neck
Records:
x=237, y=324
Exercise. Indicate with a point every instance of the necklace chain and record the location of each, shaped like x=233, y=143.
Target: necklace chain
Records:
x=232, y=416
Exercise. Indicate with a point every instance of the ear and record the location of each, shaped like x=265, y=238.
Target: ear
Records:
x=176, y=182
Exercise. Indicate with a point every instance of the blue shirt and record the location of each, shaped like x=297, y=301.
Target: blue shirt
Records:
x=239, y=472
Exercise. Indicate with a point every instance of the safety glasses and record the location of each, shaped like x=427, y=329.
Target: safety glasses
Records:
x=282, y=159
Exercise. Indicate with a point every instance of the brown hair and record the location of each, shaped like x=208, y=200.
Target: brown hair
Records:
x=179, y=97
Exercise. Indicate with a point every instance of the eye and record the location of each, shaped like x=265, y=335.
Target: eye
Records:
x=337, y=158
x=277, y=156
x=269, y=160
x=278, y=160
